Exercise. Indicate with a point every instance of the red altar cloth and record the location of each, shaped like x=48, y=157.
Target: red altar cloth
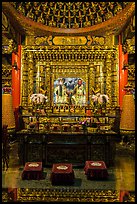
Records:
x=32, y=171
x=62, y=174
x=96, y=170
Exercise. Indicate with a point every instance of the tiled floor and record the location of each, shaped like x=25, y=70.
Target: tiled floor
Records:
x=121, y=177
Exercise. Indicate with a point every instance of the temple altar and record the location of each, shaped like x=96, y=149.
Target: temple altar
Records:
x=59, y=147
x=67, y=66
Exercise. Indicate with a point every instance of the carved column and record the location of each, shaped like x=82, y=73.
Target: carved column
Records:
x=108, y=77
x=91, y=81
x=24, y=81
x=115, y=84
x=48, y=83
x=30, y=75
x=98, y=83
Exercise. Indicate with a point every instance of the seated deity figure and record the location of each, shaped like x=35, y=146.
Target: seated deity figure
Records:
x=60, y=92
x=79, y=95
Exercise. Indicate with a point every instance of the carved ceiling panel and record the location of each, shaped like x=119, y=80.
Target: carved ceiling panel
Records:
x=69, y=14
x=61, y=18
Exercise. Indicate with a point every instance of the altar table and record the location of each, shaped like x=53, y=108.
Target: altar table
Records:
x=33, y=171
x=96, y=170
x=62, y=173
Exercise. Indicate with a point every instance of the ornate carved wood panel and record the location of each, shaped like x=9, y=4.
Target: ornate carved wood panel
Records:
x=96, y=65
x=98, y=153
x=76, y=150
x=76, y=154
x=34, y=152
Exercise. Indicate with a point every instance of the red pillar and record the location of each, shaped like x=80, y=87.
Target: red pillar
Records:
x=121, y=73
x=16, y=57
x=126, y=70
x=19, y=71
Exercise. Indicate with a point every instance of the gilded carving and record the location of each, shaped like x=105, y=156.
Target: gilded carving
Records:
x=77, y=40
x=48, y=83
x=42, y=19
x=69, y=15
x=6, y=74
x=6, y=70
x=108, y=64
x=131, y=71
x=130, y=45
x=40, y=40
x=98, y=40
x=30, y=75
x=94, y=64
x=8, y=45
x=47, y=40
x=131, y=75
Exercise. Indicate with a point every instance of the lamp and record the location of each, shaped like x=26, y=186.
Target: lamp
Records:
x=7, y=108
x=15, y=65
x=127, y=121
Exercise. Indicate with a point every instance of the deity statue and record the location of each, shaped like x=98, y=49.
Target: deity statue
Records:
x=79, y=93
x=60, y=92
